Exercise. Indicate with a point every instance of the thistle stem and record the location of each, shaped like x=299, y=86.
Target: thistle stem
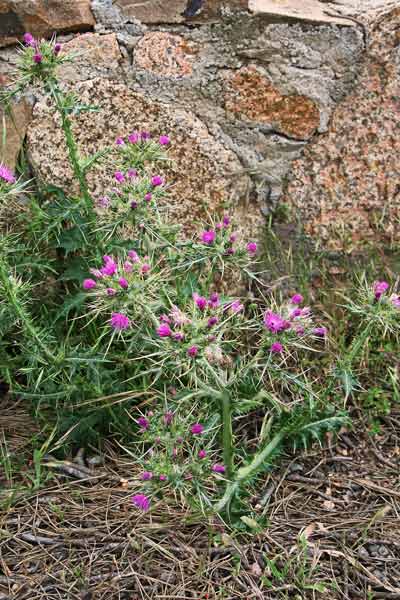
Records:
x=248, y=471
x=70, y=141
x=227, y=433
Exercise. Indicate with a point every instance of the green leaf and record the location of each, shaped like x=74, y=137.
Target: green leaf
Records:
x=71, y=240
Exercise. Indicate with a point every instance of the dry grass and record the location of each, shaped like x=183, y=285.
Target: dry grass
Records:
x=81, y=539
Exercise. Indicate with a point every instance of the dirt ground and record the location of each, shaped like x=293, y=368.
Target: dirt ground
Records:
x=330, y=529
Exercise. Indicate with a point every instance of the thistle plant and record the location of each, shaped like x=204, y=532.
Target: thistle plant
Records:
x=151, y=316
x=375, y=313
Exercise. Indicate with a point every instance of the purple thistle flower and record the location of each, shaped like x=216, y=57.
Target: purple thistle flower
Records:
x=163, y=477
x=197, y=429
x=236, y=306
x=29, y=40
x=145, y=268
x=164, y=330
x=380, y=287
x=212, y=321
x=251, y=247
x=143, y=423
x=57, y=48
x=37, y=58
x=276, y=348
x=132, y=173
x=148, y=197
x=146, y=476
x=133, y=255
x=96, y=272
x=202, y=454
x=164, y=140
x=168, y=418
x=119, y=322
x=103, y=202
x=88, y=284
x=208, y=237
x=395, y=300
x=214, y=300
x=123, y=283
x=200, y=301
x=141, y=501
x=297, y=299
x=110, y=268
x=193, y=351
x=119, y=176
x=226, y=221
x=218, y=468
x=6, y=175
x=156, y=180
x=274, y=322
x=320, y=331
x=111, y=291
x=179, y=337
x=133, y=138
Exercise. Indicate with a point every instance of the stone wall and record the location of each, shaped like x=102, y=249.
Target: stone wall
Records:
x=243, y=87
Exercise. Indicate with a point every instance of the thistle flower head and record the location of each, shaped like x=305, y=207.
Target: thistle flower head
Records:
x=208, y=237
x=395, y=300
x=251, y=247
x=133, y=255
x=123, y=283
x=276, y=348
x=29, y=40
x=88, y=284
x=296, y=299
x=197, y=429
x=380, y=287
x=217, y=468
x=164, y=330
x=119, y=322
x=200, y=301
x=274, y=322
x=143, y=423
x=320, y=331
x=133, y=138
x=141, y=501
x=6, y=175
x=119, y=176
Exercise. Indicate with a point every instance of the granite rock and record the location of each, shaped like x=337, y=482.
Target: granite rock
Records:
x=42, y=18
x=204, y=175
x=345, y=189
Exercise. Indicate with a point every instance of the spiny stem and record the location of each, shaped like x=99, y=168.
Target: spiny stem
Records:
x=248, y=471
x=21, y=314
x=70, y=141
x=227, y=433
